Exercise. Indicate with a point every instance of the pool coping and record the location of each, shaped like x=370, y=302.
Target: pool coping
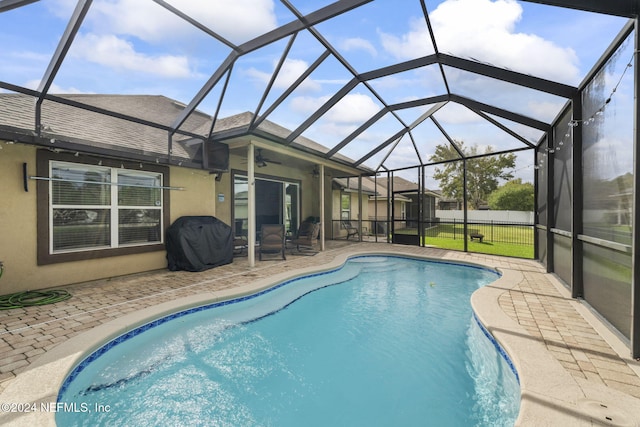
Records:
x=549, y=394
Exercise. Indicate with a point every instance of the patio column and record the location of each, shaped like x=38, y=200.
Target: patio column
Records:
x=251, y=205
x=322, y=223
x=577, y=203
x=464, y=205
x=360, y=207
x=551, y=204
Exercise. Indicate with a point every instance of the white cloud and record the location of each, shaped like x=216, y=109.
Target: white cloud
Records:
x=114, y=52
x=306, y=104
x=544, y=109
x=54, y=89
x=236, y=20
x=349, y=113
x=291, y=70
x=414, y=44
x=358, y=43
x=395, y=82
x=337, y=130
x=61, y=8
x=453, y=113
x=353, y=108
x=485, y=30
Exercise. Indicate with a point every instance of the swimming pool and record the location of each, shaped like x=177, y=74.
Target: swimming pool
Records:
x=394, y=343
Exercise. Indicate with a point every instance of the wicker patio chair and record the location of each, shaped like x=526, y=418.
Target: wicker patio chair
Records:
x=272, y=239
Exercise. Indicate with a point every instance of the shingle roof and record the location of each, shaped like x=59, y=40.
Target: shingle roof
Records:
x=240, y=123
x=69, y=123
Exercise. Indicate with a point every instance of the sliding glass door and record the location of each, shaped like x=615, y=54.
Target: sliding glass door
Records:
x=277, y=202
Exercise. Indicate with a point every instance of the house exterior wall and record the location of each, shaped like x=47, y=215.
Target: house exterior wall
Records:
x=336, y=229
x=309, y=187
x=202, y=195
x=382, y=209
x=18, y=231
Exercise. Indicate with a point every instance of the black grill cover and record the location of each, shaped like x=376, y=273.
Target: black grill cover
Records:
x=197, y=243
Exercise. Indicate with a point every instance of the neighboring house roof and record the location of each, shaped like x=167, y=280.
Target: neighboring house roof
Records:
x=400, y=185
x=379, y=187
x=351, y=185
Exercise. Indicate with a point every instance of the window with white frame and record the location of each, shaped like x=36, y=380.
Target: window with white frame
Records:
x=345, y=206
x=99, y=207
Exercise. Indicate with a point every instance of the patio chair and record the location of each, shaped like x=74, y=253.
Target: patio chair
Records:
x=240, y=244
x=307, y=236
x=351, y=229
x=272, y=239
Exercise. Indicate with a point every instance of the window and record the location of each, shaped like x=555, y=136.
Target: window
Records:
x=345, y=206
x=96, y=210
x=100, y=207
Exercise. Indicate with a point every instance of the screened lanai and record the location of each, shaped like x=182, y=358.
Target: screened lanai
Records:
x=367, y=89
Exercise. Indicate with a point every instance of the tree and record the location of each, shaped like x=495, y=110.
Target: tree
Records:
x=513, y=196
x=483, y=174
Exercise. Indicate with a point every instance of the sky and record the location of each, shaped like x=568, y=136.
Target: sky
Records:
x=137, y=47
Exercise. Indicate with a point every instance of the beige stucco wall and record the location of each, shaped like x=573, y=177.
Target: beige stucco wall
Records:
x=310, y=199
x=18, y=238
x=337, y=230
x=202, y=195
x=382, y=208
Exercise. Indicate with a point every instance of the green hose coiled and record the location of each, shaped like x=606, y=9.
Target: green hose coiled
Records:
x=32, y=298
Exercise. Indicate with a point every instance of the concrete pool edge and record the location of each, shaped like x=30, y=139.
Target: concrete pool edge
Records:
x=549, y=394
x=41, y=382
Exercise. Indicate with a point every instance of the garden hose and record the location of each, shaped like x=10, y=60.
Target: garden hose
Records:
x=32, y=298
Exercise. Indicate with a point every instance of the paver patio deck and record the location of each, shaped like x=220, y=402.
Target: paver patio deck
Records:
x=538, y=303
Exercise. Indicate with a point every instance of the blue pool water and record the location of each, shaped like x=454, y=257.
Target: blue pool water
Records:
x=381, y=341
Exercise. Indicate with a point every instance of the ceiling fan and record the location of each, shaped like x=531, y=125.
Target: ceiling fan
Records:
x=262, y=161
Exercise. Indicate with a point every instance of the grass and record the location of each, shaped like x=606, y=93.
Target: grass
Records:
x=496, y=240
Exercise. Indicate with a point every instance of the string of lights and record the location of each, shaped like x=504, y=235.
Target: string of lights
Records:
x=573, y=123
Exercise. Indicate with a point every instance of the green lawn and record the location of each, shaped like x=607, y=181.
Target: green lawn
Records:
x=496, y=239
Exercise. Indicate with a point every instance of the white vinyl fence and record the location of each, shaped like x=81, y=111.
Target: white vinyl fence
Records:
x=485, y=216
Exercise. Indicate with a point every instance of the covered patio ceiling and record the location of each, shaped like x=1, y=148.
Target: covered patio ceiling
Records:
x=378, y=84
